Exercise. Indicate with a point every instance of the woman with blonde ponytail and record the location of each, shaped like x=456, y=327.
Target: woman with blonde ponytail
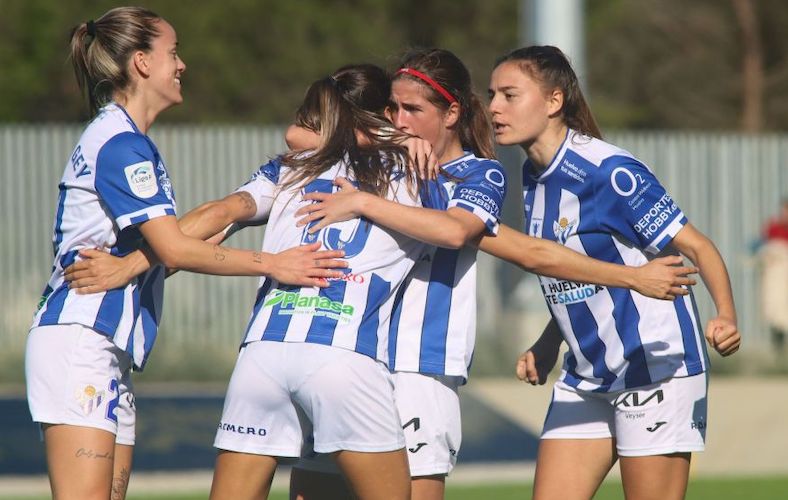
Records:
x=115, y=195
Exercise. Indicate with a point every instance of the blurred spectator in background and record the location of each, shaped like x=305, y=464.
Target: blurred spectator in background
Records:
x=774, y=276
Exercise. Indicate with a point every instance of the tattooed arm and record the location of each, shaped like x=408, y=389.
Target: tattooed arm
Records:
x=184, y=249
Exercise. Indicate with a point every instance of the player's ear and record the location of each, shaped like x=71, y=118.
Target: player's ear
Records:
x=555, y=102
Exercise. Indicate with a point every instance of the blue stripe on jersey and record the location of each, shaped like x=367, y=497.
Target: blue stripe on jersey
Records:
x=590, y=344
x=627, y=320
x=135, y=307
x=436, y=311
x=396, y=313
x=148, y=311
x=68, y=258
x=625, y=312
x=110, y=311
x=691, y=354
x=61, y=206
x=55, y=305
x=278, y=323
x=321, y=330
x=367, y=339
x=258, y=304
x=138, y=219
x=572, y=378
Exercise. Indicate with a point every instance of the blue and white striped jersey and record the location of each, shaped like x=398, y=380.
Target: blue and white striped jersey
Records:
x=600, y=201
x=433, y=329
x=353, y=312
x=114, y=181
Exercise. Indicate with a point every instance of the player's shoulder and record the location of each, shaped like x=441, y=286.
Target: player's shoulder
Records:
x=111, y=128
x=471, y=164
x=269, y=171
x=596, y=152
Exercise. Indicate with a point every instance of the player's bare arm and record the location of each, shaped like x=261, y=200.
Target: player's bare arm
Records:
x=452, y=228
x=662, y=278
x=721, y=331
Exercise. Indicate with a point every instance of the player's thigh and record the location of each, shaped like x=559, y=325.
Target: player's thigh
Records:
x=429, y=409
x=376, y=475
x=242, y=476
x=428, y=487
x=572, y=469
x=659, y=477
x=307, y=484
x=80, y=461
x=577, y=448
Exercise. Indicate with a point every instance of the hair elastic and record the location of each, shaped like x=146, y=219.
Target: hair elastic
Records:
x=429, y=81
x=91, y=28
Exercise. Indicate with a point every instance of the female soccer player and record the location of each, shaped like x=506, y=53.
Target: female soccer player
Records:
x=115, y=191
x=633, y=385
x=434, y=324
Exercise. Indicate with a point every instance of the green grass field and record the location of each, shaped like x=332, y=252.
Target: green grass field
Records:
x=767, y=488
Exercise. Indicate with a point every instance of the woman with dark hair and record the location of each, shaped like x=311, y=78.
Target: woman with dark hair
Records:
x=633, y=385
x=116, y=193
x=433, y=328
x=313, y=361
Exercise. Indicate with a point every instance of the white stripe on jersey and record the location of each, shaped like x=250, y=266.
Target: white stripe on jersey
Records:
x=353, y=313
x=600, y=201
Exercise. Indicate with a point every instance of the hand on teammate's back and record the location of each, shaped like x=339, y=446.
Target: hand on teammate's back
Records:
x=98, y=271
x=307, y=265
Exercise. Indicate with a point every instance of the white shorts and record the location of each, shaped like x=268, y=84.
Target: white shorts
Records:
x=77, y=376
x=282, y=391
x=666, y=417
x=429, y=409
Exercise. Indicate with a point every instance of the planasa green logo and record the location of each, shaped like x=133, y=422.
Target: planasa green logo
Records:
x=294, y=303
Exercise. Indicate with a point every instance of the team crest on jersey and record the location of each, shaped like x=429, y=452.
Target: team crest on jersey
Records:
x=89, y=399
x=166, y=185
x=142, y=179
x=562, y=228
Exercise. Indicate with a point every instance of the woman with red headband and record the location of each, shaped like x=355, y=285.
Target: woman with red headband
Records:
x=433, y=326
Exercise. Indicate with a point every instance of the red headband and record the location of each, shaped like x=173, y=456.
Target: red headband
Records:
x=429, y=81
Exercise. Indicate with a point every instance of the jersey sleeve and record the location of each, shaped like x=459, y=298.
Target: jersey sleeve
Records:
x=262, y=187
x=129, y=181
x=481, y=191
x=633, y=203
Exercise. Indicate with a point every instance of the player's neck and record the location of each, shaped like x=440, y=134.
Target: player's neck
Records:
x=542, y=150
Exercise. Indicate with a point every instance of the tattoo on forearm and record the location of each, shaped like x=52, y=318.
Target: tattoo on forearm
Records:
x=120, y=484
x=247, y=200
x=219, y=253
x=84, y=453
x=257, y=257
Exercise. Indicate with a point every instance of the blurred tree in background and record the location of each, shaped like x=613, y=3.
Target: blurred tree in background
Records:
x=706, y=64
